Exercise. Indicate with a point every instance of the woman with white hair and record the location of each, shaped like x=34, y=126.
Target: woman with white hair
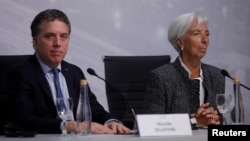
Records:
x=187, y=85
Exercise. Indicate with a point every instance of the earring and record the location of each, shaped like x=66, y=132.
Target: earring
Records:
x=182, y=48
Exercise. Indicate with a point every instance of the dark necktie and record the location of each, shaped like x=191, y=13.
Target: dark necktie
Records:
x=59, y=93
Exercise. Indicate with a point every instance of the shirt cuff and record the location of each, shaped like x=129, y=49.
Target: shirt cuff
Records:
x=193, y=121
x=115, y=120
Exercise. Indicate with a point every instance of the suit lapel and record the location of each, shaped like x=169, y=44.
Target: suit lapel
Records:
x=68, y=75
x=71, y=83
x=41, y=78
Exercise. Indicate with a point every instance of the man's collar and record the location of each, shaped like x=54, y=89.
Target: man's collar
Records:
x=44, y=66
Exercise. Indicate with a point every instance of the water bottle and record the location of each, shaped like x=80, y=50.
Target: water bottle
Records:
x=237, y=113
x=84, y=115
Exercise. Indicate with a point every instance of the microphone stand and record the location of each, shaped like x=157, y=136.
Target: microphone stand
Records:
x=92, y=72
x=225, y=73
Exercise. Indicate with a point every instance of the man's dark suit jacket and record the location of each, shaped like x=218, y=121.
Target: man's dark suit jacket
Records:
x=31, y=102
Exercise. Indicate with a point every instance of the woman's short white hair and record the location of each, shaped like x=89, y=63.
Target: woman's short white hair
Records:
x=180, y=26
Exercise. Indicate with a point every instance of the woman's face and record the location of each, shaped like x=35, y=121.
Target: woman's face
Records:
x=195, y=42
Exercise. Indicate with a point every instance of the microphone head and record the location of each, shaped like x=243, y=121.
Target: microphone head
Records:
x=225, y=73
x=91, y=71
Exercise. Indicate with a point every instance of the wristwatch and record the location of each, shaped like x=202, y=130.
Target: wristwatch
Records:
x=193, y=122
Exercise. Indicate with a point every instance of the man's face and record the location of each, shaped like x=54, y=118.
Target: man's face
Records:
x=52, y=42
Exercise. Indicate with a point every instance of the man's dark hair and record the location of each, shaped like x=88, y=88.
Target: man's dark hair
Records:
x=48, y=15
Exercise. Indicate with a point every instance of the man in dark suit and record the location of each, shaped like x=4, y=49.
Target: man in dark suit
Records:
x=31, y=88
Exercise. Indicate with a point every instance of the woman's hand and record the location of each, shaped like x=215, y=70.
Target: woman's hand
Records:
x=206, y=115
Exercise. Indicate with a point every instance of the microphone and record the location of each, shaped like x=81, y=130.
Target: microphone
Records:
x=225, y=73
x=92, y=72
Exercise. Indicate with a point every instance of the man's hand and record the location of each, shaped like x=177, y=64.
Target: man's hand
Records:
x=117, y=127
x=70, y=126
x=111, y=127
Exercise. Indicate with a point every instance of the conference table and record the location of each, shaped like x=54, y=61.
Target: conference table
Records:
x=197, y=135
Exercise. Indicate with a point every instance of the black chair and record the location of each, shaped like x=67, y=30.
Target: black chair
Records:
x=6, y=62
x=126, y=83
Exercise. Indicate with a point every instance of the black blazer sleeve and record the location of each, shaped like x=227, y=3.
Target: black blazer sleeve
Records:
x=30, y=99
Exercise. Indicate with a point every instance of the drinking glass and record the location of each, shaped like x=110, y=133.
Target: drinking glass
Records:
x=64, y=108
x=223, y=103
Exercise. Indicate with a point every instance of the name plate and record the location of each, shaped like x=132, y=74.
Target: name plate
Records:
x=163, y=124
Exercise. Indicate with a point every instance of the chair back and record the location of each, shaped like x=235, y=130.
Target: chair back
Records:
x=126, y=78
